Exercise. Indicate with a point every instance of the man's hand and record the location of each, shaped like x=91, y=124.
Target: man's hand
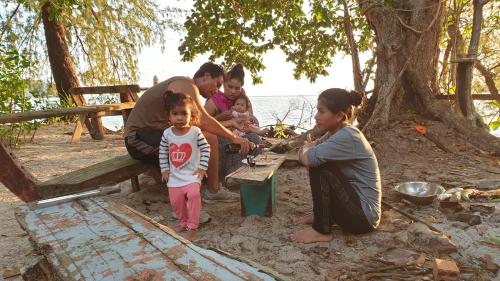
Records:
x=164, y=176
x=200, y=173
x=224, y=116
x=239, y=123
x=244, y=145
x=254, y=120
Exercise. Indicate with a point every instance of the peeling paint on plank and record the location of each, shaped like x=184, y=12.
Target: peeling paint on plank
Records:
x=93, y=239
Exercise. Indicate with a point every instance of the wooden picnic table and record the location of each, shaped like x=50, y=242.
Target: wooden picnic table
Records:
x=257, y=187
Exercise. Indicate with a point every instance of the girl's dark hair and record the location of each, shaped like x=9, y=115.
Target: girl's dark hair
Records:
x=179, y=99
x=340, y=100
x=245, y=98
x=237, y=72
x=213, y=69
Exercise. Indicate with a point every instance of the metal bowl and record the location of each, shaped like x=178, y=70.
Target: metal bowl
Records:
x=419, y=192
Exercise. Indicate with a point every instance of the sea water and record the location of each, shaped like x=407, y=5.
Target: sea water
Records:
x=295, y=111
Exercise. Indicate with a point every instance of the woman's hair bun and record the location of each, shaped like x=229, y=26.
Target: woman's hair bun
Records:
x=356, y=98
x=237, y=72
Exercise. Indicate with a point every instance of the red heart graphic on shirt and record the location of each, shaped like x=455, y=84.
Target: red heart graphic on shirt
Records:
x=180, y=154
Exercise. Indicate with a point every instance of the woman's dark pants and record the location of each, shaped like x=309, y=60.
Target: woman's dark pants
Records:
x=335, y=202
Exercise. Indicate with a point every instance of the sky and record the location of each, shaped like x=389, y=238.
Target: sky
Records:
x=277, y=77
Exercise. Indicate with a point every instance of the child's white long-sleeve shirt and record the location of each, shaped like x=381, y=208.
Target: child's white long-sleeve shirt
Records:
x=183, y=155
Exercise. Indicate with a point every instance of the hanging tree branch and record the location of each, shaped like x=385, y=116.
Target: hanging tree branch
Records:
x=6, y=24
x=489, y=77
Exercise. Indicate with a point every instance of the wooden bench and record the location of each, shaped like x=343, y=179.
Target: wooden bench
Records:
x=97, y=239
x=84, y=113
x=257, y=187
x=128, y=95
x=90, y=115
x=24, y=185
x=108, y=172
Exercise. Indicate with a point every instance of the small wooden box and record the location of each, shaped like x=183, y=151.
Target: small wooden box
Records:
x=445, y=270
x=259, y=200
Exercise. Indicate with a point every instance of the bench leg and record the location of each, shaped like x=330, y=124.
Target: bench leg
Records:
x=98, y=129
x=77, y=132
x=259, y=200
x=135, y=183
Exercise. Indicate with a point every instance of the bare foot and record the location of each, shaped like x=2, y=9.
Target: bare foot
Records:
x=179, y=228
x=191, y=234
x=307, y=219
x=309, y=235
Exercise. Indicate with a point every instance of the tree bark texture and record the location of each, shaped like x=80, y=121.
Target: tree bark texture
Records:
x=356, y=69
x=407, y=37
x=489, y=77
x=61, y=63
x=465, y=70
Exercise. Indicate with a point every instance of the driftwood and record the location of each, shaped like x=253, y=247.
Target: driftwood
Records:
x=295, y=142
x=487, y=194
x=409, y=216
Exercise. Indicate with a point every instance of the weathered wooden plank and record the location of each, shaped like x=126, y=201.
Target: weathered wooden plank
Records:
x=257, y=175
x=107, y=172
x=31, y=115
x=17, y=179
x=93, y=239
x=105, y=89
x=175, y=248
x=42, y=114
x=89, y=244
x=210, y=264
x=114, y=106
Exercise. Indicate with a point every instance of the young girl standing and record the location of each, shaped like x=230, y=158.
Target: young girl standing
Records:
x=184, y=154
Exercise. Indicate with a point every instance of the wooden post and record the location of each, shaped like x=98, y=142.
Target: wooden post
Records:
x=127, y=96
x=135, y=183
x=79, y=100
x=19, y=181
x=97, y=128
x=77, y=133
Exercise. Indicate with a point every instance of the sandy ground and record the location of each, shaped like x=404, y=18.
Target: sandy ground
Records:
x=265, y=240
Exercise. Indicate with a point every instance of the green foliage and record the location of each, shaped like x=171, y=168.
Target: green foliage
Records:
x=281, y=131
x=104, y=37
x=494, y=122
x=243, y=31
x=15, y=95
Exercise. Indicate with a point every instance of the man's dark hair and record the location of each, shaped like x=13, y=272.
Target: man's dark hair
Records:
x=213, y=69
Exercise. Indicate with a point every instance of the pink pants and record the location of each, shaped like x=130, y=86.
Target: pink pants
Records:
x=186, y=203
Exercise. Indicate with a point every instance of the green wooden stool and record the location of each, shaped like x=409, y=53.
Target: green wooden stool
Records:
x=259, y=200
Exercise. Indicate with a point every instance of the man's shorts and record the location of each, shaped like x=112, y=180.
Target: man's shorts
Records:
x=144, y=145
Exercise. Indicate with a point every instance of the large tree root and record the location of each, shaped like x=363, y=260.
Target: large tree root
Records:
x=475, y=135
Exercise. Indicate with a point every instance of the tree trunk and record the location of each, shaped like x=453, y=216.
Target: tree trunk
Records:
x=465, y=70
x=407, y=36
x=489, y=77
x=61, y=63
x=353, y=47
